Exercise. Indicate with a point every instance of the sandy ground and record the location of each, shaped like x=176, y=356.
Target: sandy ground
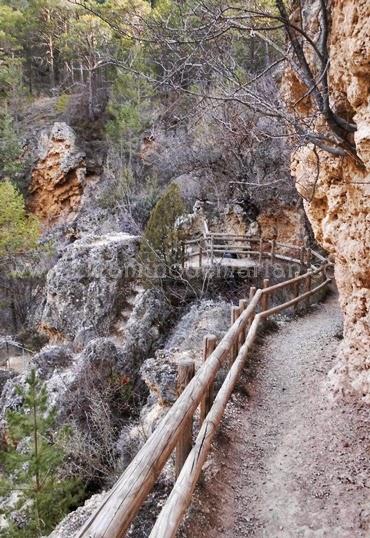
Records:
x=287, y=462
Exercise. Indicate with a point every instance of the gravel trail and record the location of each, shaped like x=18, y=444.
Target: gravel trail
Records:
x=286, y=461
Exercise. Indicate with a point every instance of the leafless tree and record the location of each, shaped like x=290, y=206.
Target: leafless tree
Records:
x=228, y=51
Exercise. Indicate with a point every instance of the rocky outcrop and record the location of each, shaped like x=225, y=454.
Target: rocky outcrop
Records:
x=285, y=224
x=86, y=286
x=337, y=189
x=185, y=343
x=59, y=175
x=193, y=223
x=72, y=523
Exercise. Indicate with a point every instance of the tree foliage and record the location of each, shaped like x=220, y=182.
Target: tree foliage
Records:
x=19, y=232
x=30, y=463
x=161, y=248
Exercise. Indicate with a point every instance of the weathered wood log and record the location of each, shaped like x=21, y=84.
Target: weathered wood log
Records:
x=235, y=313
x=209, y=344
x=181, y=495
x=119, y=507
x=185, y=442
x=243, y=303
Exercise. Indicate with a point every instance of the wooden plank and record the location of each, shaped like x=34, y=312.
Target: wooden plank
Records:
x=181, y=495
x=121, y=504
x=185, y=442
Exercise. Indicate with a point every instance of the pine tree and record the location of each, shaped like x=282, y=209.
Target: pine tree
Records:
x=30, y=463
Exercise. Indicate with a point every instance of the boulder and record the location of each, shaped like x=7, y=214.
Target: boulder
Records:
x=83, y=288
x=52, y=358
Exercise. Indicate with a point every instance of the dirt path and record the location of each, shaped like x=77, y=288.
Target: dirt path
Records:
x=286, y=462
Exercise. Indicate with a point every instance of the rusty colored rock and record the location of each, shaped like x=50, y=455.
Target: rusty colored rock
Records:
x=337, y=189
x=58, y=177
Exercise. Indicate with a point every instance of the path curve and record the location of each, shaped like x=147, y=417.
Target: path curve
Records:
x=286, y=462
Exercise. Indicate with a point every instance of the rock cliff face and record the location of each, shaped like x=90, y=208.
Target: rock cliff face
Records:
x=58, y=176
x=337, y=189
x=85, y=287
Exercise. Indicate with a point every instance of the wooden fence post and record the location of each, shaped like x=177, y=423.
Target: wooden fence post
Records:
x=296, y=291
x=243, y=303
x=184, y=445
x=308, y=287
x=252, y=292
x=235, y=313
x=265, y=297
x=209, y=344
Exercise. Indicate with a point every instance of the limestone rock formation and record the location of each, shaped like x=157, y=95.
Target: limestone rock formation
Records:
x=84, y=289
x=193, y=223
x=72, y=523
x=337, y=189
x=285, y=224
x=59, y=174
x=184, y=343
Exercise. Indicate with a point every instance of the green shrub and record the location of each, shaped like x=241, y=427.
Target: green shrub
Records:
x=161, y=246
x=62, y=103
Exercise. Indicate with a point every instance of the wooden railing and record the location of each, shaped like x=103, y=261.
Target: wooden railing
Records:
x=175, y=432
x=216, y=246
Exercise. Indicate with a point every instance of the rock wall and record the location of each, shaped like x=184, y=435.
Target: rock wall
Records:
x=59, y=174
x=285, y=224
x=84, y=289
x=337, y=189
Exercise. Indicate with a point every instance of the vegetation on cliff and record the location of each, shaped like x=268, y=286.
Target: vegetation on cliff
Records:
x=31, y=460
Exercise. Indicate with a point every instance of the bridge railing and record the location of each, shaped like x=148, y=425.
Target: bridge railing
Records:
x=214, y=247
x=114, y=516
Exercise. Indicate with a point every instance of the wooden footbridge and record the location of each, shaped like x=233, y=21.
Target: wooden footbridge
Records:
x=209, y=250
x=176, y=432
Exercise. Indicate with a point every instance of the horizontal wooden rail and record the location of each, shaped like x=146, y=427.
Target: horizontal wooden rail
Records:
x=120, y=506
x=122, y=503
x=292, y=302
x=178, y=501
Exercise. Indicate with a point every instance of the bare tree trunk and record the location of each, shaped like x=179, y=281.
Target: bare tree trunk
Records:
x=91, y=94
